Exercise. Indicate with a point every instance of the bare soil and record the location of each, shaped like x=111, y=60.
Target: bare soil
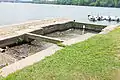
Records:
x=19, y=52
x=69, y=33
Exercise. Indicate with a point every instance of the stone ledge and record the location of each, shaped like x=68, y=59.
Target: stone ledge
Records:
x=43, y=38
x=109, y=29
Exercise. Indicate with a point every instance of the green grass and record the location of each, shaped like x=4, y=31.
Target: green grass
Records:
x=94, y=59
x=1, y=78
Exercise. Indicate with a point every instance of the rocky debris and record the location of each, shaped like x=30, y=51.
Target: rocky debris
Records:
x=3, y=65
x=24, y=50
x=2, y=50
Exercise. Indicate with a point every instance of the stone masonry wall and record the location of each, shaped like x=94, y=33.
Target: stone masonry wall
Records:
x=52, y=28
x=89, y=26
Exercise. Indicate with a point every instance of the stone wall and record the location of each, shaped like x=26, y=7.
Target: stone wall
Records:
x=11, y=40
x=53, y=28
x=89, y=26
x=60, y=27
x=50, y=29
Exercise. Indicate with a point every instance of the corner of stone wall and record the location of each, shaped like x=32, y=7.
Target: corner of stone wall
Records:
x=109, y=29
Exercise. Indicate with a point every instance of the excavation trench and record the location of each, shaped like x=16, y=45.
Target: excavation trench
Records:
x=20, y=47
x=17, y=52
x=69, y=33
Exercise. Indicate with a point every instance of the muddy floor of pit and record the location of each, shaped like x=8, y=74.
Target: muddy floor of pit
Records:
x=68, y=34
x=5, y=59
x=19, y=52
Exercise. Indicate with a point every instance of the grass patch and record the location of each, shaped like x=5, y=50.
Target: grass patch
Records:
x=1, y=78
x=94, y=59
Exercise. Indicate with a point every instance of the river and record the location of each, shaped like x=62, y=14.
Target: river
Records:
x=11, y=13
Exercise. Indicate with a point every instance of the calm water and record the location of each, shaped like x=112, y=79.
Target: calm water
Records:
x=14, y=13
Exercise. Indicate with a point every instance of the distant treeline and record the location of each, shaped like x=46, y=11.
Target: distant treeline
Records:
x=102, y=3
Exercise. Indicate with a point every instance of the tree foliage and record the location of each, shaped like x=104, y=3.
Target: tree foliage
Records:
x=102, y=3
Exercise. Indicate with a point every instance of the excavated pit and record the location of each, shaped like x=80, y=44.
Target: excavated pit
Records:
x=69, y=33
x=62, y=32
x=17, y=52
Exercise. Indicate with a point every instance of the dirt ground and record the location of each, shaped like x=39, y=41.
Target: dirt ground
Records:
x=22, y=51
x=69, y=34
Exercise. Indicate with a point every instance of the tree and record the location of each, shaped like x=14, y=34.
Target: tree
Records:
x=103, y=3
x=116, y=3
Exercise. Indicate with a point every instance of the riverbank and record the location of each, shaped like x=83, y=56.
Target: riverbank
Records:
x=96, y=58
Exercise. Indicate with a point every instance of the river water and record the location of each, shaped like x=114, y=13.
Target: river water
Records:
x=11, y=13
